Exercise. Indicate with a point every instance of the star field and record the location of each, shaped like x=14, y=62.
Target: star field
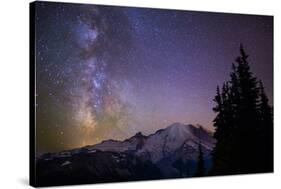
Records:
x=108, y=72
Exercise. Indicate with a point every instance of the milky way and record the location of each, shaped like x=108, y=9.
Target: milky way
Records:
x=108, y=72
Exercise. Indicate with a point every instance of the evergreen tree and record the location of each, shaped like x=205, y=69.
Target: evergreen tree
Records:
x=243, y=118
x=200, y=171
x=246, y=136
x=179, y=164
x=266, y=129
x=220, y=158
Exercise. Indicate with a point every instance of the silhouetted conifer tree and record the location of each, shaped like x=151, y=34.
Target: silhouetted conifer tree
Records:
x=266, y=130
x=243, y=119
x=179, y=164
x=200, y=171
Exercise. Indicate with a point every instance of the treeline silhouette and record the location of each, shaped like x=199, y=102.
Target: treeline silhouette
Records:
x=243, y=123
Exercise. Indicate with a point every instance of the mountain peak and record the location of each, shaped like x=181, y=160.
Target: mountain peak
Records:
x=179, y=125
x=138, y=134
x=178, y=128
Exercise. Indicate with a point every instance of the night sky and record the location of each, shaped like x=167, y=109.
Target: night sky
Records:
x=107, y=72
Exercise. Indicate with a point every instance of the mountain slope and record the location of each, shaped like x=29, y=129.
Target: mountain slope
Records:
x=168, y=153
x=162, y=143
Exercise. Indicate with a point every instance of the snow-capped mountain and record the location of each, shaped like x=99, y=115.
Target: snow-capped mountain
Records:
x=168, y=153
x=130, y=144
x=162, y=143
